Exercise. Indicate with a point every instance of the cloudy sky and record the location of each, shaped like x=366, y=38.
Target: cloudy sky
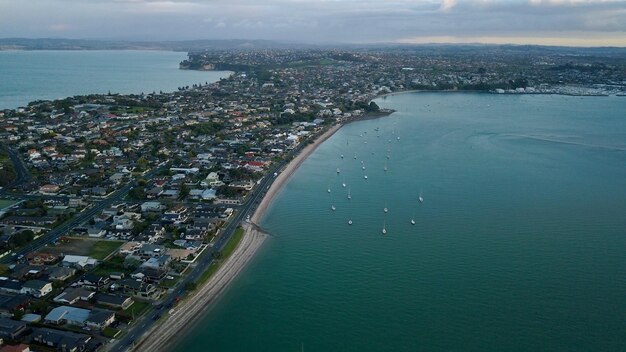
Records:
x=558, y=22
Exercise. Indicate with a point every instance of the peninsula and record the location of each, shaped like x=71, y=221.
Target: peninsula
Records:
x=128, y=215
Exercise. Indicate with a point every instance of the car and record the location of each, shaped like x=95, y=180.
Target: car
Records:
x=169, y=277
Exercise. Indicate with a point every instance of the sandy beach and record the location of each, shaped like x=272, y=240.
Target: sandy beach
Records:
x=164, y=335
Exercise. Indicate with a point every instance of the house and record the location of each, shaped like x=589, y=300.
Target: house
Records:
x=37, y=288
x=147, y=207
x=41, y=258
x=10, y=286
x=150, y=250
x=159, y=262
x=151, y=275
x=114, y=301
x=96, y=232
x=63, y=341
x=67, y=315
x=15, y=348
x=139, y=289
x=79, y=262
x=61, y=274
x=72, y=295
x=93, y=282
x=100, y=318
x=10, y=304
x=49, y=189
x=11, y=329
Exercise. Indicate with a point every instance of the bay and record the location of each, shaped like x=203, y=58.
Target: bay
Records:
x=518, y=245
x=26, y=76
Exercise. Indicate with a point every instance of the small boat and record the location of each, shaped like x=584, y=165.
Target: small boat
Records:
x=349, y=196
x=350, y=222
x=332, y=207
x=341, y=156
x=385, y=209
x=355, y=156
x=420, y=198
x=398, y=138
x=365, y=177
x=385, y=166
x=338, y=171
x=412, y=221
x=328, y=189
x=343, y=185
x=384, y=229
x=363, y=167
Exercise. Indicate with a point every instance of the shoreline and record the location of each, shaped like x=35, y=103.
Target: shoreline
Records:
x=288, y=171
x=165, y=335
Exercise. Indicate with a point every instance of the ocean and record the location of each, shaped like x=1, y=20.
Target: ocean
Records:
x=26, y=76
x=518, y=245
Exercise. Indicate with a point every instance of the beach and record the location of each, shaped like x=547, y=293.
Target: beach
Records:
x=163, y=336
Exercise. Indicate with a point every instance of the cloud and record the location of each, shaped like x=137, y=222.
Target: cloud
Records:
x=317, y=20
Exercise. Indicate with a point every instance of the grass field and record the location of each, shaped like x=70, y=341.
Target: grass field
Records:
x=5, y=203
x=97, y=249
x=226, y=252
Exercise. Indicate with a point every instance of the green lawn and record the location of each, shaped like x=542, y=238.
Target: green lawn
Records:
x=102, y=249
x=113, y=265
x=232, y=243
x=110, y=332
x=5, y=203
x=137, y=309
x=226, y=252
x=169, y=283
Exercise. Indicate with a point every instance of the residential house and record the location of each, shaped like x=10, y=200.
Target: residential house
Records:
x=93, y=282
x=10, y=286
x=139, y=288
x=11, y=329
x=63, y=341
x=61, y=274
x=114, y=301
x=37, y=288
x=67, y=315
x=74, y=294
x=100, y=318
x=79, y=262
x=42, y=258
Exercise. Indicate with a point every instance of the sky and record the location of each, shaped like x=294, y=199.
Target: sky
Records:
x=547, y=22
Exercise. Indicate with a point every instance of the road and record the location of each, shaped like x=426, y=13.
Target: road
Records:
x=78, y=219
x=137, y=330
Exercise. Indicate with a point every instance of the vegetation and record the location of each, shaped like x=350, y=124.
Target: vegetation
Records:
x=103, y=248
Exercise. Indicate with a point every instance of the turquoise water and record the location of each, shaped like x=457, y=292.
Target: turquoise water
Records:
x=39, y=75
x=519, y=244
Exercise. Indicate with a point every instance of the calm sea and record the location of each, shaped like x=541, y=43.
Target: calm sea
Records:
x=519, y=244
x=33, y=75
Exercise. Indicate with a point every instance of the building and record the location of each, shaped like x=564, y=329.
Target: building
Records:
x=79, y=262
x=37, y=288
x=67, y=315
x=63, y=341
x=11, y=329
x=73, y=295
x=114, y=301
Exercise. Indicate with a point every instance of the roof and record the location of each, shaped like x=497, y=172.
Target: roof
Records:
x=112, y=299
x=35, y=284
x=99, y=316
x=68, y=313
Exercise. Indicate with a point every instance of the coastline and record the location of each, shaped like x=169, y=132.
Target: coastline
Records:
x=288, y=171
x=165, y=335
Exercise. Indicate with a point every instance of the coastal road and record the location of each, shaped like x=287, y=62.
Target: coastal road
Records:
x=138, y=329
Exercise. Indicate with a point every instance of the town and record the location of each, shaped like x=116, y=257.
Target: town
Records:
x=114, y=208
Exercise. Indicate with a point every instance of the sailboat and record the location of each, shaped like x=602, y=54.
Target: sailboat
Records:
x=344, y=182
x=420, y=198
x=328, y=189
x=333, y=208
x=341, y=156
x=385, y=166
x=412, y=221
x=384, y=229
x=349, y=196
x=338, y=171
x=350, y=222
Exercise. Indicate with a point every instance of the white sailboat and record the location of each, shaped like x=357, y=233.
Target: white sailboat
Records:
x=349, y=196
x=350, y=222
x=384, y=228
x=420, y=198
x=328, y=189
x=333, y=208
x=338, y=171
x=412, y=221
x=385, y=166
x=344, y=182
